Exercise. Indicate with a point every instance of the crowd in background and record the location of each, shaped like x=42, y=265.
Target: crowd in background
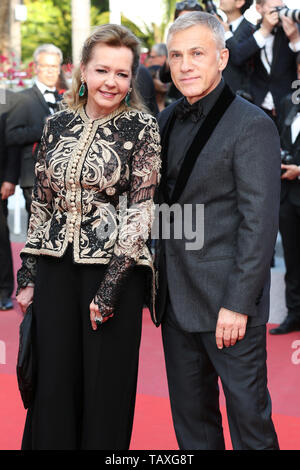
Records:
x=264, y=62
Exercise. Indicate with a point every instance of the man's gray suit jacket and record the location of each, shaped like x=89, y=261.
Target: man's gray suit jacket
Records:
x=237, y=179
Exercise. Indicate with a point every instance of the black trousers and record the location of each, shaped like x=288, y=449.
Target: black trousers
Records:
x=86, y=379
x=6, y=263
x=194, y=365
x=289, y=227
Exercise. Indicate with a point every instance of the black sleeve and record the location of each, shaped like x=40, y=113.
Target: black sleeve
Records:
x=18, y=129
x=12, y=167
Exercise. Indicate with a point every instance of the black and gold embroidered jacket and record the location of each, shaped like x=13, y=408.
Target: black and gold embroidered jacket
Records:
x=94, y=187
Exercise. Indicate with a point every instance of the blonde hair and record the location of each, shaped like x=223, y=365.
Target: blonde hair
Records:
x=111, y=35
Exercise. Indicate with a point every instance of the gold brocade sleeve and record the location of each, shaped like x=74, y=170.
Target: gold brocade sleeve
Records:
x=136, y=212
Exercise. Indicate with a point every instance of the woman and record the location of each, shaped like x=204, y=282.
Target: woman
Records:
x=85, y=261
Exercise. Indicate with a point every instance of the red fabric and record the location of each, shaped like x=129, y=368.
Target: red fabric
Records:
x=153, y=427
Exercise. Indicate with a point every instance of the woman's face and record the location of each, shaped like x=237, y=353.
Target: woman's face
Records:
x=107, y=76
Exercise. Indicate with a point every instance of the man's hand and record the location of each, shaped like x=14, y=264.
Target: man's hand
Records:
x=231, y=327
x=291, y=29
x=270, y=20
x=7, y=189
x=292, y=172
x=223, y=22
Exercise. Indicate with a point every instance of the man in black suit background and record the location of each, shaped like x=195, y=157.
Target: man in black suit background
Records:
x=9, y=174
x=272, y=48
x=26, y=120
x=237, y=26
x=289, y=220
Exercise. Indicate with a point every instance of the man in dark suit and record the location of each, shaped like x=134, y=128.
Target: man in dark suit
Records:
x=289, y=219
x=146, y=89
x=272, y=49
x=26, y=120
x=237, y=26
x=9, y=174
x=220, y=157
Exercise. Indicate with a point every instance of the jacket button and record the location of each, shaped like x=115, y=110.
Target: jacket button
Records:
x=110, y=191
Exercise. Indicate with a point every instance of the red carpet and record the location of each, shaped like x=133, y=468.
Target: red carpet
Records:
x=153, y=428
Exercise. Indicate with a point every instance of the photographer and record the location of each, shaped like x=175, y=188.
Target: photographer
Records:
x=272, y=49
x=164, y=74
x=289, y=220
x=237, y=76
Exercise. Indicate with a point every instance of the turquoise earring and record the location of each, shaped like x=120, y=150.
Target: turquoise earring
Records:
x=127, y=98
x=82, y=89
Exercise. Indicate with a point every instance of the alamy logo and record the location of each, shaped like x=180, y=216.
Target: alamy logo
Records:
x=2, y=352
x=180, y=222
x=296, y=94
x=177, y=222
x=2, y=96
x=296, y=353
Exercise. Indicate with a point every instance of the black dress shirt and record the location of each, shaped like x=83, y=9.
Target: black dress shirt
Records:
x=183, y=133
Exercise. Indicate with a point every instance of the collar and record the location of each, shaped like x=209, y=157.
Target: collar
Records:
x=43, y=87
x=201, y=107
x=236, y=23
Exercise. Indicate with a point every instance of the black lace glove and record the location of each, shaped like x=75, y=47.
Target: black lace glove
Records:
x=27, y=273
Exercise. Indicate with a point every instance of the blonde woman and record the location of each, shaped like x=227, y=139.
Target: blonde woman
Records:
x=86, y=261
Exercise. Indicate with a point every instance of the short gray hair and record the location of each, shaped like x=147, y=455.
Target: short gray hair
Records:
x=48, y=49
x=199, y=18
x=160, y=49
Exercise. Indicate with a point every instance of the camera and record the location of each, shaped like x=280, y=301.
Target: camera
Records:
x=210, y=7
x=286, y=159
x=285, y=11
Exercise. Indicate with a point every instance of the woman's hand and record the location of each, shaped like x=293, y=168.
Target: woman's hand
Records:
x=95, y=313
x=25, y=297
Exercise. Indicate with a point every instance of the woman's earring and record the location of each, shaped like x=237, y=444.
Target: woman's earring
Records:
x=127, y=98
x=82, y=89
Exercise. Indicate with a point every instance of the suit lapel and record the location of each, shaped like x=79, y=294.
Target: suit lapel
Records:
x=165, y=134
x=276, y=49
x=240, y=29
x=41, y=99
x=201, y=138
x=287, y=131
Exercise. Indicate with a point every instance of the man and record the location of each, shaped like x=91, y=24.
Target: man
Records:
x=221, y=152
x=181, y=8
x=26, y=120
x=9, y=172
x=158, y=55
x=272, y=49
x=289, y=218
x=146, y=89
x=237, y=76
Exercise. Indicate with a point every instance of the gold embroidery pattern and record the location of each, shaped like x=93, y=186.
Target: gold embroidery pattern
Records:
x=83, y=169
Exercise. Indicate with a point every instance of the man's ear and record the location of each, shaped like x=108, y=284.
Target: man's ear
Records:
x=223, y=60
x=258, y=9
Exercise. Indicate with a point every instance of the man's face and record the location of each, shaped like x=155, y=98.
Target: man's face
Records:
x=268, y=6
x=47, y=68
x=155, y=59
x=196, y=63
x=229, y=6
